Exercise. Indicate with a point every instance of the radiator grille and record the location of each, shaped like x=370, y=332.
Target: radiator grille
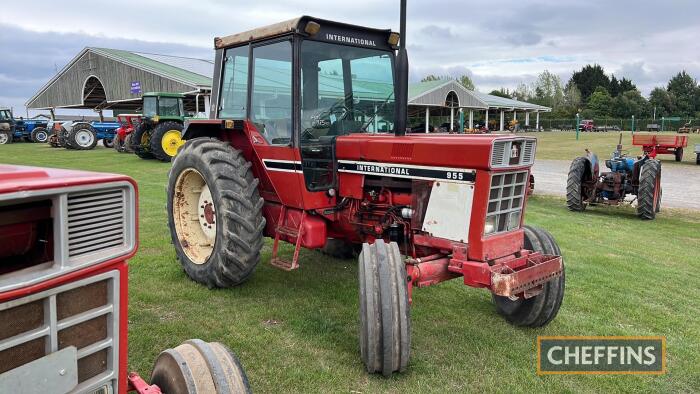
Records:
x=506, y=198
x=96, y=221
x=81, y=314
x=511, y=153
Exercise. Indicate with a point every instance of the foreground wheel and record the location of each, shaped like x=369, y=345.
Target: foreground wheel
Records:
x=108, y=142
x=141, y=141
x=215, y=213
x=199, y=367
x=649, y=193
x=339, y=249
x=542, y=308
x=577, y=193
x=5, y=137
x=39, y=134
x=82, y=137
x=166, y=140
x=385, y=319
x=679, y=154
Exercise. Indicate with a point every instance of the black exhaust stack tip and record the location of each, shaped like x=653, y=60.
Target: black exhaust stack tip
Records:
x=402, y=78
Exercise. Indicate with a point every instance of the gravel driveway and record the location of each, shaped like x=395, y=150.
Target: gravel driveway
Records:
x=680, y=183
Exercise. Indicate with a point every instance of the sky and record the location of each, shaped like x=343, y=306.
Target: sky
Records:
x=498, y=43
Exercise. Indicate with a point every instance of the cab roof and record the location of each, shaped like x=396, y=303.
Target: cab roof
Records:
x=296, y=25
x=163, y=94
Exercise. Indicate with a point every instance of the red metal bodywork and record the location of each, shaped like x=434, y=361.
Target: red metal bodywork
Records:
x=654, y=144
x=353, y=214
x=129, y=123
x=14, y=179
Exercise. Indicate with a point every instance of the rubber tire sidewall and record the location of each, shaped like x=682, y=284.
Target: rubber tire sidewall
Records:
x=157, y=136
x=36, y=131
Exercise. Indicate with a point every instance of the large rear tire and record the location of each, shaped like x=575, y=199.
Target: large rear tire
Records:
x=82, y=137
x=649, y=192
x=199, y=367
x=542, y=308
x=576, y=191
x=385, y=316
x=141, y=141
x=215, y=213
x=679, y=154
x=5, y=137
x=39, y=134
x=166, y=140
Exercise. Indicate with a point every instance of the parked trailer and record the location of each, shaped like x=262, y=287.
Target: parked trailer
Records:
x=83, y=135
x=653, y=144
x=65, y=238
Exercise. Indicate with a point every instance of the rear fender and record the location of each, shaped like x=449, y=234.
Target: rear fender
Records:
x=202, y=128
x=593, y=164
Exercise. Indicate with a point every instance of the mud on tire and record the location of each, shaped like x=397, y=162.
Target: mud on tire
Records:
x=649, y=192
x=235, y=211
x=385, y=316
x=542, y=308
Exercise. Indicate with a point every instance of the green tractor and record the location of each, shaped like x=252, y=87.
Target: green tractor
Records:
x=159, y=135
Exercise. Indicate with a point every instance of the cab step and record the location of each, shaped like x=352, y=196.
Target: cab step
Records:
x=294, y=234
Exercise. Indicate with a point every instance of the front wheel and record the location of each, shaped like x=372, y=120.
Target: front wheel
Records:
x=385, y=316
x=215, y=213
x=166, y=140
x=649, y=192
x=577, y=191
x=199, y=367
x=82, y=138
x=542, y=308
x=108, y=142
x=5, y=137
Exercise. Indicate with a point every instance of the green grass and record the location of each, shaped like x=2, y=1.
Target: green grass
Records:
x=298, y=331
x=564, y=146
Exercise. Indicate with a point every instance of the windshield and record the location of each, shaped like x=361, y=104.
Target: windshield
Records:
x=169, y=106
x=5, y=115
x=345, y=90
x=149, y=107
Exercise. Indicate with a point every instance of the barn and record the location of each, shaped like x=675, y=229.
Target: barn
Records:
x=103, y=78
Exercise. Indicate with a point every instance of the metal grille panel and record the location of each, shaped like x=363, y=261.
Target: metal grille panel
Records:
x=45, y=322
x=506, y=198
x=96, y=221
x=502, y=149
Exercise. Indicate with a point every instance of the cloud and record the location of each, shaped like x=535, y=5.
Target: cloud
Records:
x=525, y=38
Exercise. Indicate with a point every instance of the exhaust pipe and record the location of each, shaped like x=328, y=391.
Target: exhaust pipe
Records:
x=402, y=78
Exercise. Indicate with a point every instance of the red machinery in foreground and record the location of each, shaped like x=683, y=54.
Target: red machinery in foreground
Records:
x=655, y=144
x=307, y=144
x=122, y=139
x=65, y=237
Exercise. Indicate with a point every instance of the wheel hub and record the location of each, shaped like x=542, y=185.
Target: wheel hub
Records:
x=207, y=214
x=194, y=215
x=171, y=142
x=84, y=138
x=41, y=136
x=3, y=138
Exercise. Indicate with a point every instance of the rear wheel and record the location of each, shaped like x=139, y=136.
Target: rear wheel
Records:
x=5, y=137
x=577, y=193
x=141, y=141
x=40, y=134
x=542, y=308
x=82, y=137
x=649, y=192
x=166, y=140
x=385, y=316
x=679, y=154
x=199, y=367
x=215, y=213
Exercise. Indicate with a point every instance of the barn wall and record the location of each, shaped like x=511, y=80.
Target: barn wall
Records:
x=116, y=78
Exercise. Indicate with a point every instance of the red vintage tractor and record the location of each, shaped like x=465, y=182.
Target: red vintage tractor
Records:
x=306, y=144
x=65, y=237
x=122, y=139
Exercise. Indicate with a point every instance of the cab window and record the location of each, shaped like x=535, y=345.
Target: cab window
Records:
x=271, y=98
x=234, y=84
x=169, y=106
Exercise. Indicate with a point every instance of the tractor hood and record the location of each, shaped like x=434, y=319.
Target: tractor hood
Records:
x=481, y=151
x=22, y=178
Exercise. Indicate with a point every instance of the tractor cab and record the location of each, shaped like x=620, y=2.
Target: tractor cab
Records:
x=7, y=126
x=163, y=106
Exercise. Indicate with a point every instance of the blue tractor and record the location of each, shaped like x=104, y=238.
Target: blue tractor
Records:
x=639, y=178
x=31, y=130
x=82, y=135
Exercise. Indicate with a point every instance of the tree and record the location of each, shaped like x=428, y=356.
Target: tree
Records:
x=548, y=90
x=614, y=88
x=588, y=79
x=630, y=103
x=503, y=92
x=522, y=93
x=600, y=103
x=467, y=82
x=683, y=90
x=572, y=102
x=660, y=99
x=626, y=85
x=433, y=77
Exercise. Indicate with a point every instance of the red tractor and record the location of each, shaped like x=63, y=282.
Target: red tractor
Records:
x=65, y=237
x=307, y=144
x=122, y=139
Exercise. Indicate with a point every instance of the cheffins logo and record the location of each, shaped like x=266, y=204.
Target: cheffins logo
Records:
x=601, y=355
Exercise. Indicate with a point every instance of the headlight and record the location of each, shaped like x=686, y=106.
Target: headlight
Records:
x=490, y=226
